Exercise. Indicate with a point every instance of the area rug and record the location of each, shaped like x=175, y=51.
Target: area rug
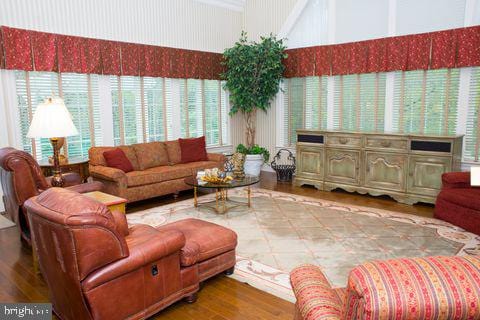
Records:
x=281, y=231
x=5, y=223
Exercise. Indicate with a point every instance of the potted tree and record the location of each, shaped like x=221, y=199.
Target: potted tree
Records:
x=253, y=74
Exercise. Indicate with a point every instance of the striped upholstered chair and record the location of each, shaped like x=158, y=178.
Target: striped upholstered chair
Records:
x=414, y=289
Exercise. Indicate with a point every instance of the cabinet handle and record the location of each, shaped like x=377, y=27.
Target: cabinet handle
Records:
x=343, y=140
x=386, y=144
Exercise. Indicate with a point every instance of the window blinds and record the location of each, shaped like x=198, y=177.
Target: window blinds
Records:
x=80, y=93
x=425, y=102
x=472, y=137
x=359, y=102
x=156, y=109
x=305, y=105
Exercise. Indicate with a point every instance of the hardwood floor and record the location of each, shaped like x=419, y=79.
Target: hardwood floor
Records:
x=220, y=298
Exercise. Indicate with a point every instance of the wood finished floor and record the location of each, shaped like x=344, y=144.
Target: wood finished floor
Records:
x=221, y=298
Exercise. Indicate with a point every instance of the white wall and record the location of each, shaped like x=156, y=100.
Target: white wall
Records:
x=175, y=23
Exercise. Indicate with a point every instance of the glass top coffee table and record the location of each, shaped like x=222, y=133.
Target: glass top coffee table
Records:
x=222, y=203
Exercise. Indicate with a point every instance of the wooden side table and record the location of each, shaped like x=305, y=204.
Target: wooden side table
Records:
x=78, y=165
x=112, y=202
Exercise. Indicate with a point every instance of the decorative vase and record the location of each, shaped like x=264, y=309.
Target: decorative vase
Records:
x=253, y=164
x=238, y=162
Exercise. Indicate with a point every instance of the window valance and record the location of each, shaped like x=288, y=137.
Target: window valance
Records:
x=454, y=48
x=41, y=51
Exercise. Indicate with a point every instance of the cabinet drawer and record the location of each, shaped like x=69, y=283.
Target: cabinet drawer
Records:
x=386, y=143
x=344, y=141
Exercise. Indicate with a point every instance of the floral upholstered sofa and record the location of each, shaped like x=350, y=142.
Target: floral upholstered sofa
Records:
x=409, y=288
x=158, y=169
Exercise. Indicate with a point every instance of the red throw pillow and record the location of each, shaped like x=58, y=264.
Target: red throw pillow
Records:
x=116, y=158
x=193, y=149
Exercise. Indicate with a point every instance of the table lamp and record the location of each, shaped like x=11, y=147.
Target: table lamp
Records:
x=53, y=121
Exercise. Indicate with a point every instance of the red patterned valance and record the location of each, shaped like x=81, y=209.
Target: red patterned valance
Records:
x=435, y=50
x=41, y=51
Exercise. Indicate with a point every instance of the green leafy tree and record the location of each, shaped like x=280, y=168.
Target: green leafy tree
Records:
x=253, y=74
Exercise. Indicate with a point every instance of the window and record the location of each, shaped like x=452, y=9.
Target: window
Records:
x=425, y=102
x=80, y=93
x=305, y=106
x=127, y=110
x=155, y=115
x=157, y=109
x=192, y=108
x=359, y=103
x=472, y=137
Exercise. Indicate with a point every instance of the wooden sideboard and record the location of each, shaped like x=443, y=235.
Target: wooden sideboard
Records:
x=406, y=167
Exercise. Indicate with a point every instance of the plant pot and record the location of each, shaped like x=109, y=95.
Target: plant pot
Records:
x=253, y=164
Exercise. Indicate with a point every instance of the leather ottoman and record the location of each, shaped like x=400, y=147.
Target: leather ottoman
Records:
x=209, y=245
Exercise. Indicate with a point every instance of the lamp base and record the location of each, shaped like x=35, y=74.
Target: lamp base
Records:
x=57, y=179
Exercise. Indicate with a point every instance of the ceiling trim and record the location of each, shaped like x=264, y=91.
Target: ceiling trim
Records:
x=235, y=5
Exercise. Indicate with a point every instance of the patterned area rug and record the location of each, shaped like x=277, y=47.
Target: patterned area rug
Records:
x=282, y=231
x=5, y=223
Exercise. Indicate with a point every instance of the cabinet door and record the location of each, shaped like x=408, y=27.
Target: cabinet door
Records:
x=310, y=162
x=386, y=171
x=343, y=166
x=425, y=174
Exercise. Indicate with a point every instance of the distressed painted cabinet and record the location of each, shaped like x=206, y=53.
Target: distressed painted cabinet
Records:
x=406, y=167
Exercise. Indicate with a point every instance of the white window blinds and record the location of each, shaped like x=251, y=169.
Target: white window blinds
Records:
x=425, y=102
x=472, y=137
x=305, y=105
x=80, y=93
x=359, y=103
x=156, y=109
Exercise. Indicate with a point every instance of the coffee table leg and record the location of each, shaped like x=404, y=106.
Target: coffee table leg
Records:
x=248, y=192
x=195, y=202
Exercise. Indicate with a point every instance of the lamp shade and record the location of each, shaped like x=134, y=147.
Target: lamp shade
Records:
x=52, y=120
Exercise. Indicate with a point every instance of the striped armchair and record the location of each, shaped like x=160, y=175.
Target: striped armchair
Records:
x=410, y=288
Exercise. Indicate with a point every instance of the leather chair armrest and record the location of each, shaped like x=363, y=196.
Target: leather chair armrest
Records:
x=452, y=180
x=87, y=187
x=217, y=157
x=316, y=300
x=146, y=245
x=107, y=173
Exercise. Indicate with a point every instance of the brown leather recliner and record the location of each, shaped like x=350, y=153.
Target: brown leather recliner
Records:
x=21, y=178
x=98, y=268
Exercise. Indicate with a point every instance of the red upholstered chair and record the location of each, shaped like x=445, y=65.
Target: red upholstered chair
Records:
x=458, y=202
x=409, y=288
x=21, y=179
x=97, y=268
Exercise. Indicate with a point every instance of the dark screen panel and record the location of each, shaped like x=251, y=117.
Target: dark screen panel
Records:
x=310, y=138
x=433, y=146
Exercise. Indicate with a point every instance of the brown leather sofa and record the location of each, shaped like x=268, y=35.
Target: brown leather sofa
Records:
x=21, y=179
x=157, y=170
x=96, y=267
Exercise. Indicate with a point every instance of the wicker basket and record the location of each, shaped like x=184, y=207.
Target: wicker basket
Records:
x=284, y=165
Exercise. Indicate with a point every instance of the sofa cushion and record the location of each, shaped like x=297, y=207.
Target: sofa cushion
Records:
x=204, y=240
x=193, y=149
x=468, y=197
x=116, y=158
x=155, y=175
x=174, y=152
x=151, y=154
x=96, y=158
x=415, y=288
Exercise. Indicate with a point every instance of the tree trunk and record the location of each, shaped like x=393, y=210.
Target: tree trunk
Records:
x=250, y=120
